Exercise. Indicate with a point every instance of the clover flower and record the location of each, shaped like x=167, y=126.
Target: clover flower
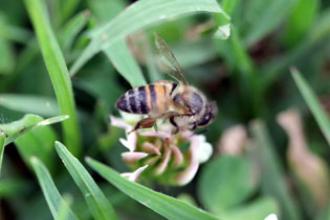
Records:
x=159, y=154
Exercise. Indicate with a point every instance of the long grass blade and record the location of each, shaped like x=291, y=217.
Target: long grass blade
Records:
x=166, y=206
x=311, y=99
x=141, y=14
x=51, y=193
x=57, y=70
x=2, y=148
x=30, y=104
x=99, y=206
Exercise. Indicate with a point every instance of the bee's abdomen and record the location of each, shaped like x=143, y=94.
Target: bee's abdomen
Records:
x=152, y=98
x=134, y=101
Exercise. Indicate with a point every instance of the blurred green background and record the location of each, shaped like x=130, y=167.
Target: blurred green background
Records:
x=265, y=165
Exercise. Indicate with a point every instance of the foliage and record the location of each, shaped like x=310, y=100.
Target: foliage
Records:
x=239, y=53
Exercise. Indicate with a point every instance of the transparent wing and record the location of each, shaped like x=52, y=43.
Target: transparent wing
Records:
x=167, y=53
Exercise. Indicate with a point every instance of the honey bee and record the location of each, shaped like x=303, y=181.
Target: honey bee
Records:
x=183, y=105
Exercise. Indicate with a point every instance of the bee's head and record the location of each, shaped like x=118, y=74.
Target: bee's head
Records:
x=209, y=115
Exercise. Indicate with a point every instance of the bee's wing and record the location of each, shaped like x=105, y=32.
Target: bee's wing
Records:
x=167, y=53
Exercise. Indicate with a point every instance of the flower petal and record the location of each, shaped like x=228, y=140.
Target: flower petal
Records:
x=132, y=157
x=133, y=176
x=120, y=123
x=130, y=142
x=150, y=148
x=188, y=174
x=177, y=155
x=160, y=134
x=160, y=169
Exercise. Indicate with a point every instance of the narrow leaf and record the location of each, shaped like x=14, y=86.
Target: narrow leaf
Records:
x=57, y=70
x=313, y=103
x=2, y=147
x=30, y=104
x=51, y=193
x=124, y=62
x=164, y=205
x=99, y=206
x=17, y=128
x=71, y=30
x=141, y=14
x=119, y=53
x=38, y=142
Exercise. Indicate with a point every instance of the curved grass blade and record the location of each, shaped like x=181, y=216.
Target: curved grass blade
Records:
x=17, y=128
x=71, y=29
x=313, y=104
x=119, y=54
x=38, y=142
x=57, y=70
x=141, y=14
x=11, y=131
x=2, y=147
x=123, y=60
x=30, y=104
x=64, y=209
x=51, y=193
x=99, y=206
x=164, y=205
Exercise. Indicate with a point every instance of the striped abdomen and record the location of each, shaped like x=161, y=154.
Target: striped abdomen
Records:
x=150, y=99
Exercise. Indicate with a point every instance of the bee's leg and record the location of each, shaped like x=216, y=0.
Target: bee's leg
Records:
x=172, y=121
x=144, y=123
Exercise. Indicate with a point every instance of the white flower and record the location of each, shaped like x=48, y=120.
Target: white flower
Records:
x=161, y=152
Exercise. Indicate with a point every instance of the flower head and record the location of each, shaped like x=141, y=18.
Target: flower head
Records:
x=159, y=154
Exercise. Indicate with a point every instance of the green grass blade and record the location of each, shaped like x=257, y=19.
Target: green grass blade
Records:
x=141, y=14
x=119, y=53
x=51, y=193
x=99, y=206
x=267, y=17
x=57, y=70
x=17, y=128
x=164, y=205
x=124, y=62
x=30, y=104
x=313, y=104
x=71, y=29
x=38, y=142
x=64, y=209
x=12, y=187
x=2, y=147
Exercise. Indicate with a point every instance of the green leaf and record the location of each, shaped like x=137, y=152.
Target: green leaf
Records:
x=71, y=29
x=257, y=210
x=57, y=70
x=141, y=14
x=272, y=175
x=38, y=142
x=7, y=61
x=51, y=193
x=12, y=187
x=119, y=53
x=231, y=180
x=265, y=16
x=301, y=19
x=11, y=131
x=98, y=204
x=164, y=205
x=312, y=101
x=124, y=62
x=30, y=104
x=17, y=128
x=64, y=209
x=2, y=147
